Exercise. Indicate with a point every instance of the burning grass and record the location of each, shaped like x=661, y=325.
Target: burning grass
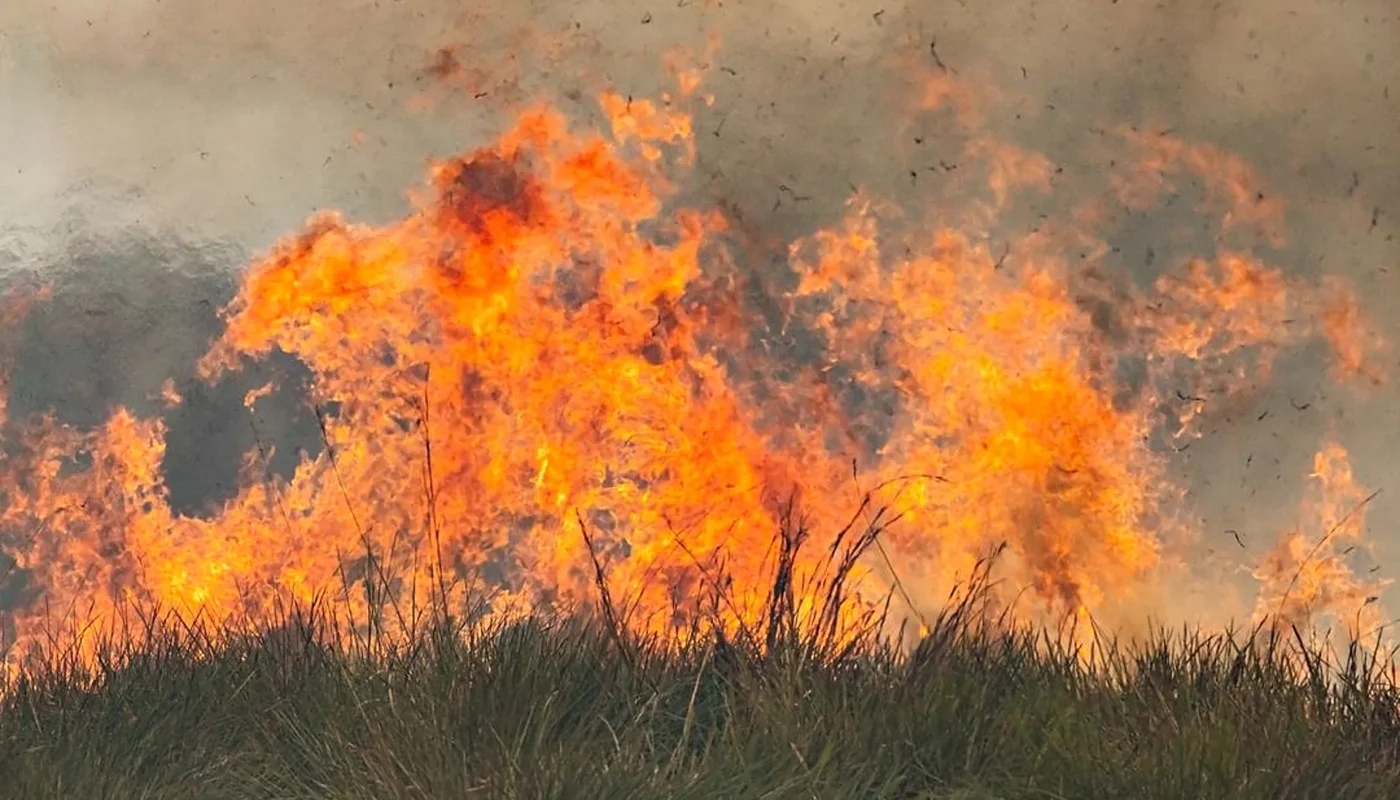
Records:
x=551, y=357
x=560, y=420
x=577, y=707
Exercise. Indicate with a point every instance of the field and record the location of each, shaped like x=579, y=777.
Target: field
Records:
x=593, y=400
x=544, y=708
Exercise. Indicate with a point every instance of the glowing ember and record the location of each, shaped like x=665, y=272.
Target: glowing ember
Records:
x=543, y=365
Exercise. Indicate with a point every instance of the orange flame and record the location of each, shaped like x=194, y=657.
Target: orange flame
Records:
x=1307, y=575
x=541, y=366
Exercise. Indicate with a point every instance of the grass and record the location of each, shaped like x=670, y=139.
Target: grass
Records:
x=574, y=707
x=550, y=708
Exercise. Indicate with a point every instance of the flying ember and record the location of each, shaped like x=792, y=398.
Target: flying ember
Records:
x=553, y=380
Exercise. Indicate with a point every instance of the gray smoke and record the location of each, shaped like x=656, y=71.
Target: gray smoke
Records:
x=150, y=147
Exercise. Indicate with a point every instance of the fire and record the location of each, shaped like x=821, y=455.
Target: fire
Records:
x=1307, y=574
x=1232, y=188
x=546, y=373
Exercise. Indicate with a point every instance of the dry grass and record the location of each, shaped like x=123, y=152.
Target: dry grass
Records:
x=574, y=707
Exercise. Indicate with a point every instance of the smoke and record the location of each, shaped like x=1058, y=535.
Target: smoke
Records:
x=231, y=120
x=150, y=147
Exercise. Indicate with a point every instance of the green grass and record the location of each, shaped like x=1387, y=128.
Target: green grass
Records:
x=562, y=709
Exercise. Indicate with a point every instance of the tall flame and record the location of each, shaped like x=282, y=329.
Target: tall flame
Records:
x=546, y=363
